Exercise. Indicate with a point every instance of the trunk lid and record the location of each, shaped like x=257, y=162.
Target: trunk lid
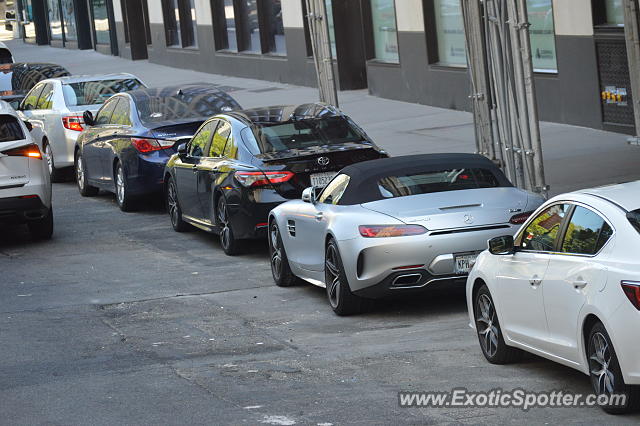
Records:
x=455, y=209
x=175, y=131
x=319, y=164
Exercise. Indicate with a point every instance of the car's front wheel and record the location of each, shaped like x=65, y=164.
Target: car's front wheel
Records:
x=123, y=197
x=228, y=241
x=280, y=269
x=173, y=208
x=85, y=189
x=341, y=299
x=494, y=349
x=606, y=375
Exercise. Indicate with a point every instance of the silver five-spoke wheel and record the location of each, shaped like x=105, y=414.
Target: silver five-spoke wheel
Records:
x=485, y=321
x=332, y=273
x=599, y=363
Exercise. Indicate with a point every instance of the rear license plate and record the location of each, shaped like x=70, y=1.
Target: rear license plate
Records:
x=322, y=179
x=462, y=263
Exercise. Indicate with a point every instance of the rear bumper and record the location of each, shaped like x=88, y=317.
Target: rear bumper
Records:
x=21, y=210
x=417, y=281
x=145, y=173
x=250, y=221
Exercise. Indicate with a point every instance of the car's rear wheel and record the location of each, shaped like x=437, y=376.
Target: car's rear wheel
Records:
x=85, y=189
x=280, y=269
x=42, y=229
x=228, y=241
x=341, y=299
x=494, y=349
x=173, y=208
x=123, y=197
x=606, y=375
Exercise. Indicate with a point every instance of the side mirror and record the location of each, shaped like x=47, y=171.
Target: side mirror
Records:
x=502, y=245
x=309, y=195
x=29, y=125
x=182, y=149
x=87, y=116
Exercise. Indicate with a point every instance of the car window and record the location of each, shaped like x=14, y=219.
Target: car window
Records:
x=334, y=190
x=104, y=115
x=45, y=100
x=10, y=129
x=587, y=232
x=231, y=148
x=542, y=233
x=634, y=219
x=121, y=113
x=220, y=139
x=198, y=144
x=97, y=92
x=31, y=100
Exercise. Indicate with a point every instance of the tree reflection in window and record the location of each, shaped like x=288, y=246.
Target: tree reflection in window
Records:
x=542, y=232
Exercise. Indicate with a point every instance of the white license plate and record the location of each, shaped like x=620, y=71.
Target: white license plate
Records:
x=462, y=263
x=322, y=179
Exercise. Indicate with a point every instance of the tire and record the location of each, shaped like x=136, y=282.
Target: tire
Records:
x=228, y=241
x=605, y=373
x=490, y=337
x=42, y=229
x=280, y=268
x=85, y=189
x=123, y=197
x=56, y=175
x=173, y=208
x=341, y=299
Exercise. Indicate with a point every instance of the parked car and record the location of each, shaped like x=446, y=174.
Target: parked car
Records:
x=125, y=148
x=22, y=76
x=567, y=288
x=240, y=165
x=25, y=188
x=55, y=107
x=393, y=226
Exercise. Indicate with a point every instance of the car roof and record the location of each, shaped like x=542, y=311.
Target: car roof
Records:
x=276, y=114
x=6, y=108
x=93, y=77
x=624, y=195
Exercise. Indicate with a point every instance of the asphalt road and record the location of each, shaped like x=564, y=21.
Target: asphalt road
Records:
x=120, y=320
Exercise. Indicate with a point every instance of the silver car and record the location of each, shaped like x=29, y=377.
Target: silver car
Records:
x=393, y=226
x=55, y=108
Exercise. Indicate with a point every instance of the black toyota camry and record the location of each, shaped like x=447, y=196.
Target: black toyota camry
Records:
x=239, y=165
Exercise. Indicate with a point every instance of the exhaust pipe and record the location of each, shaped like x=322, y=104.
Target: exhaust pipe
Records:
x=406, y=280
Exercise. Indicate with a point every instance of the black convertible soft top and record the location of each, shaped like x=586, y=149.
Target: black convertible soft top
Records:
x=364, y=176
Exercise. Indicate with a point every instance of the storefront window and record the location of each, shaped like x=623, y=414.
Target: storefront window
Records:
x=180, y=23
x=450, y=33
x=332, y=29
x=69, y=19
x=55, y=21
x=615, y=12
x=101, y=21
x=273, y=13
x=541, y=31
x=229, y=38
x=190, y=30
x=250, y=27
x=385, y=35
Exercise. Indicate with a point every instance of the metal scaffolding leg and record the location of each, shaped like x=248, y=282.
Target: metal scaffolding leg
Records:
x=321, y=45
x=632, y=35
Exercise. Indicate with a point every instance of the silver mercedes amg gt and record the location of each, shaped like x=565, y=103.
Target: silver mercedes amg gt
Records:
x=393, y=225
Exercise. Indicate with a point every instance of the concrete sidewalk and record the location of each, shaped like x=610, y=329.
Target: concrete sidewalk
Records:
x=575, y=157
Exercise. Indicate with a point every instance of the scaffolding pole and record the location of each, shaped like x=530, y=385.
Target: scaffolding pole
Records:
x=632, y=36
x=321, y=45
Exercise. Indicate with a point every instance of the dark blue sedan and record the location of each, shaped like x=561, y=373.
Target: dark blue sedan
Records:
x=125, y=147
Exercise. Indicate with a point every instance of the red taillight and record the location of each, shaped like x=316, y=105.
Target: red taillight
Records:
x=380, y=231
x=145, y=145
x=262, y=178
x=31, y=151
x=400, y=268
x=520, y=218
x=632, y=290
x=73, y=122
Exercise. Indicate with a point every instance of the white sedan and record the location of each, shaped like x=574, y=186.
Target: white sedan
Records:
x=567, y=288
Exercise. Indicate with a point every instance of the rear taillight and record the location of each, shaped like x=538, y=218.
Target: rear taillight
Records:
x=380, y=231
x=73, y=122
x=31, y=151
x=249, y=179
x=145, y=145
x=632, y=290
x=520, y=218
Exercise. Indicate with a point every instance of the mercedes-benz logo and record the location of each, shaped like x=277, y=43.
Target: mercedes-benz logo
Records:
x=468, y=219
x=324, y=161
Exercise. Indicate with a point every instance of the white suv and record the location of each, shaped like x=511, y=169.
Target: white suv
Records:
x=25, y=185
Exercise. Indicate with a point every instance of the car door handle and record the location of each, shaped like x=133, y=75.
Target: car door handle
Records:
x=319, y=216
x=579, y=284
x=535, y=282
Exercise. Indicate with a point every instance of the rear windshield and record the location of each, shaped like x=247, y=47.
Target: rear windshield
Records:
x=634, y=218
x=97, y=92
x=436, y=181
x=306, y=133
x=10, y=129
x=158, y=109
